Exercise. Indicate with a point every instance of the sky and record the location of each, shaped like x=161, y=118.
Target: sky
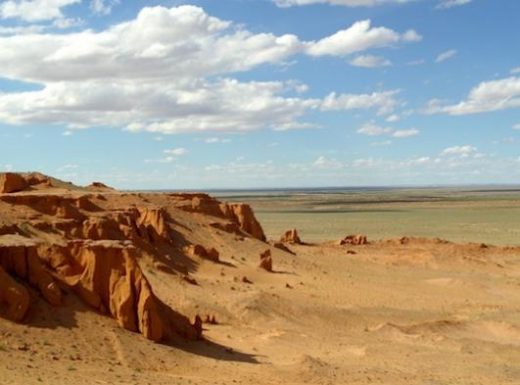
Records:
x=209, y=94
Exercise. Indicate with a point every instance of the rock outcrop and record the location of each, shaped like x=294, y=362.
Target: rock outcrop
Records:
x=239, y=214
x=266, y=261
x=104, y=274
x=68, y=239
x=291, y=237
x=14, y=298
x=354, y=240
x=12, y=182
x=244, y=216
x=200, y=251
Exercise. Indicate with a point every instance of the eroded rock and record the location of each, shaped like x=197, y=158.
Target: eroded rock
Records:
x=354, y=240
x=291, y=237
x=11, y=182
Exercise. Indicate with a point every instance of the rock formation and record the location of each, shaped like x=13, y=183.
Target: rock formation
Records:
x=11, y=182
x=75, y=240
x=244, y=216
x=239, y=214
x=104, y=274
x=200, y=251
x=355, y=240
x=266, y=261
x=291, y=237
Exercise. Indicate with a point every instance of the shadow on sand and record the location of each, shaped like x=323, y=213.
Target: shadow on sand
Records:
x=210, y=349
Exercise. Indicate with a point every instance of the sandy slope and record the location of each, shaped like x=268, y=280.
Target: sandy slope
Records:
x=424, y=312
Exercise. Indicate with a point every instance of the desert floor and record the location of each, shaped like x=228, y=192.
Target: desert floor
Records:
x=469, y=214
x=415, y=311
x=422, y=313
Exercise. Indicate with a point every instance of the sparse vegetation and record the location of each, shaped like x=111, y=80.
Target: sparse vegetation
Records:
x=457, y=215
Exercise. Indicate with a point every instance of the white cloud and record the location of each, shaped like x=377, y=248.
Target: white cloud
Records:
x=372, y=129
x=515, y=71
x=60, y=24
x=494, y=95
x=516, y=126
x=347, y=3
x=370, y=61
x=461, y=151
x=65, y=23
x=324, y=162
x=103, y=7
x=384, y=101
x=446, y=55
x=168, y=71
x=446, y=4
x=405, y=133
x=180, y=151
x=34, y=10
x=393, y=118
x=216, y=140
x=359, y=37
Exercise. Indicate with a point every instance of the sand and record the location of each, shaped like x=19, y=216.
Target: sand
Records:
x=410, y=311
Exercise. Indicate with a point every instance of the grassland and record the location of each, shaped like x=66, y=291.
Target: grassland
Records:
x=457, y=214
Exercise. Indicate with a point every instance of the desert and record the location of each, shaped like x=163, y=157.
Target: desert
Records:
x=103, y=286
x=271, y=192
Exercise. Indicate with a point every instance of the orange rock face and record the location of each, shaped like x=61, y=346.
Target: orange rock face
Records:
x=292, y=237
x=244, y=216
x=355, y=240
x=266, y=261
x=75, y=240
x=105, y=274
x=237, y=213
x=11, y=182
x=14, y=298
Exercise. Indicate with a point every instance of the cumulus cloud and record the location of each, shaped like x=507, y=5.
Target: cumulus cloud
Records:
x=446, y=56
x=168, y=71
x=372, y=129
x=494, y=95
x=346, y=3
x=405, y=133
x=516, y=126
x=34, y=10
x=103, y=7
x=359, y=37
x=515, y=71
x=370, y=61
x=446, y=4
x=462, y=151
x=385, y=101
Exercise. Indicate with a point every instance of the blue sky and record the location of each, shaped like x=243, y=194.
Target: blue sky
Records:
x=261, y=93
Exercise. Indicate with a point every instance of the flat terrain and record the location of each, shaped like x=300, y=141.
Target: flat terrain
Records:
x=460, y=215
